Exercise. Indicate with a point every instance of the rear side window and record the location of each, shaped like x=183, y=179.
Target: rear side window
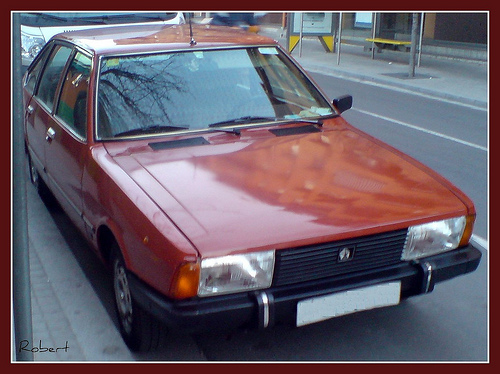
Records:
x=52, y=74
x=35, y=72
x=72, y=106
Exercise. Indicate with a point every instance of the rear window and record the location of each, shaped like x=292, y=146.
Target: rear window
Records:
x=52, y=74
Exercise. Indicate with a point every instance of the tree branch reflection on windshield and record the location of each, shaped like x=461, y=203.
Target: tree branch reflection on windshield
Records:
x=136, y=92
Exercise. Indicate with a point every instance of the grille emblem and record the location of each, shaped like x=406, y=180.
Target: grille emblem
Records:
x=346, y=254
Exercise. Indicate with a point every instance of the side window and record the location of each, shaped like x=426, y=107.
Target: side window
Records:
x=52, y=73
x=72, y=107
x=32, y=77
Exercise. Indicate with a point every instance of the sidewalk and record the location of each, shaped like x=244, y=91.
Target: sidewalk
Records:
x=455, y=80
x=67, y=309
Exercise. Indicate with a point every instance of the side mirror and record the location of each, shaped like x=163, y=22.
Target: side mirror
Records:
x=343, y=103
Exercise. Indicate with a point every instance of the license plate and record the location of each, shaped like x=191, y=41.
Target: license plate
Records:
x=325, y=307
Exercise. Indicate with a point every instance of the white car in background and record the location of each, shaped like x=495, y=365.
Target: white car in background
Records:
x=38, y=28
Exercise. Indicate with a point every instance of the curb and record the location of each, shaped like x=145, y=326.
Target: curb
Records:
x=365, y=78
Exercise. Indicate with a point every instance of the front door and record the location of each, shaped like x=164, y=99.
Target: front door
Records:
x=66, y=140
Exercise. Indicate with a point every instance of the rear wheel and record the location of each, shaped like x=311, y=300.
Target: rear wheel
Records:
x=34, y=177
x=40, y=186
x=140, y=330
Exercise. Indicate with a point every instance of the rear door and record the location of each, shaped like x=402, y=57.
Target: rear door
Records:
x=40, y=89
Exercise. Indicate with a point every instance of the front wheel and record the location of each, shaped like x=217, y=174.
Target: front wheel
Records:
x=140, y=330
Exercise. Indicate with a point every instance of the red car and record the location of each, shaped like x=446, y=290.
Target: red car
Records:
x=224, y=189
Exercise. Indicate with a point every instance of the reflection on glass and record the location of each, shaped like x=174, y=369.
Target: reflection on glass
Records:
x=194, y=89
x=72, y=106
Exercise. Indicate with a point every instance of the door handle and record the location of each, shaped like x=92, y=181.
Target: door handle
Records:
x=51, y=134
x=29, y=110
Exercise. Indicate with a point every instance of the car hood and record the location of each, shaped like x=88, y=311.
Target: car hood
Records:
x=259, y=191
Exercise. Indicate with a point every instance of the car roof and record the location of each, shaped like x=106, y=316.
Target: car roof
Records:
x=147, y=38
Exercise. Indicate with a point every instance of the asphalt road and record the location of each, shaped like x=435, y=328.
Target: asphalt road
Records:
x=449, y=324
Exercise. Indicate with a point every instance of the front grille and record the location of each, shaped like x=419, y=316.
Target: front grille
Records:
x=302, y=264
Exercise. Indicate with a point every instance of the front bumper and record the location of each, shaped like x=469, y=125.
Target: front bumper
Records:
x=265, y=308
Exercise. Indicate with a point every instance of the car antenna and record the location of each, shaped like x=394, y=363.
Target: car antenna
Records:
x=192, y=42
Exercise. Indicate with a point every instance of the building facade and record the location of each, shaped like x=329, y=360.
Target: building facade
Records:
x=459, y=27
x=451, y=34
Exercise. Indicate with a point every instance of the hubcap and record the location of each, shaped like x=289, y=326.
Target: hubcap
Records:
x=33, y=173
x=123, y=297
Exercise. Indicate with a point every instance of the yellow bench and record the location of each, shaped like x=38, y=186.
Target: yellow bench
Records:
x=382, y=43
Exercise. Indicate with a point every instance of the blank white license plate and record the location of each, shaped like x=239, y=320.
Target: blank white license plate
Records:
x=325, y=307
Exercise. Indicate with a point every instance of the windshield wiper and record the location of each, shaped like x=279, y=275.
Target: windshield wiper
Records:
x=317, y=122
x=151, y=130
x=130, y=17
x=249, y=119
x=240, y=120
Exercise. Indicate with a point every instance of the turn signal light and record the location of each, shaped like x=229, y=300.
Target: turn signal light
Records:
x=469, y=226
x=186, y=280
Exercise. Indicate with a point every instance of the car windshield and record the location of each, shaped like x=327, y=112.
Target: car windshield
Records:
x=47, y=19
x=193, y=90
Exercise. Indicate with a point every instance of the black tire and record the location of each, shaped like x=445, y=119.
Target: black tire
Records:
x=140, y=330
x=40, y=186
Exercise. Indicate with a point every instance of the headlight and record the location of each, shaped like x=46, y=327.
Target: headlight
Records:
x=235, y=273
x=31, y=45
x=436, y=237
